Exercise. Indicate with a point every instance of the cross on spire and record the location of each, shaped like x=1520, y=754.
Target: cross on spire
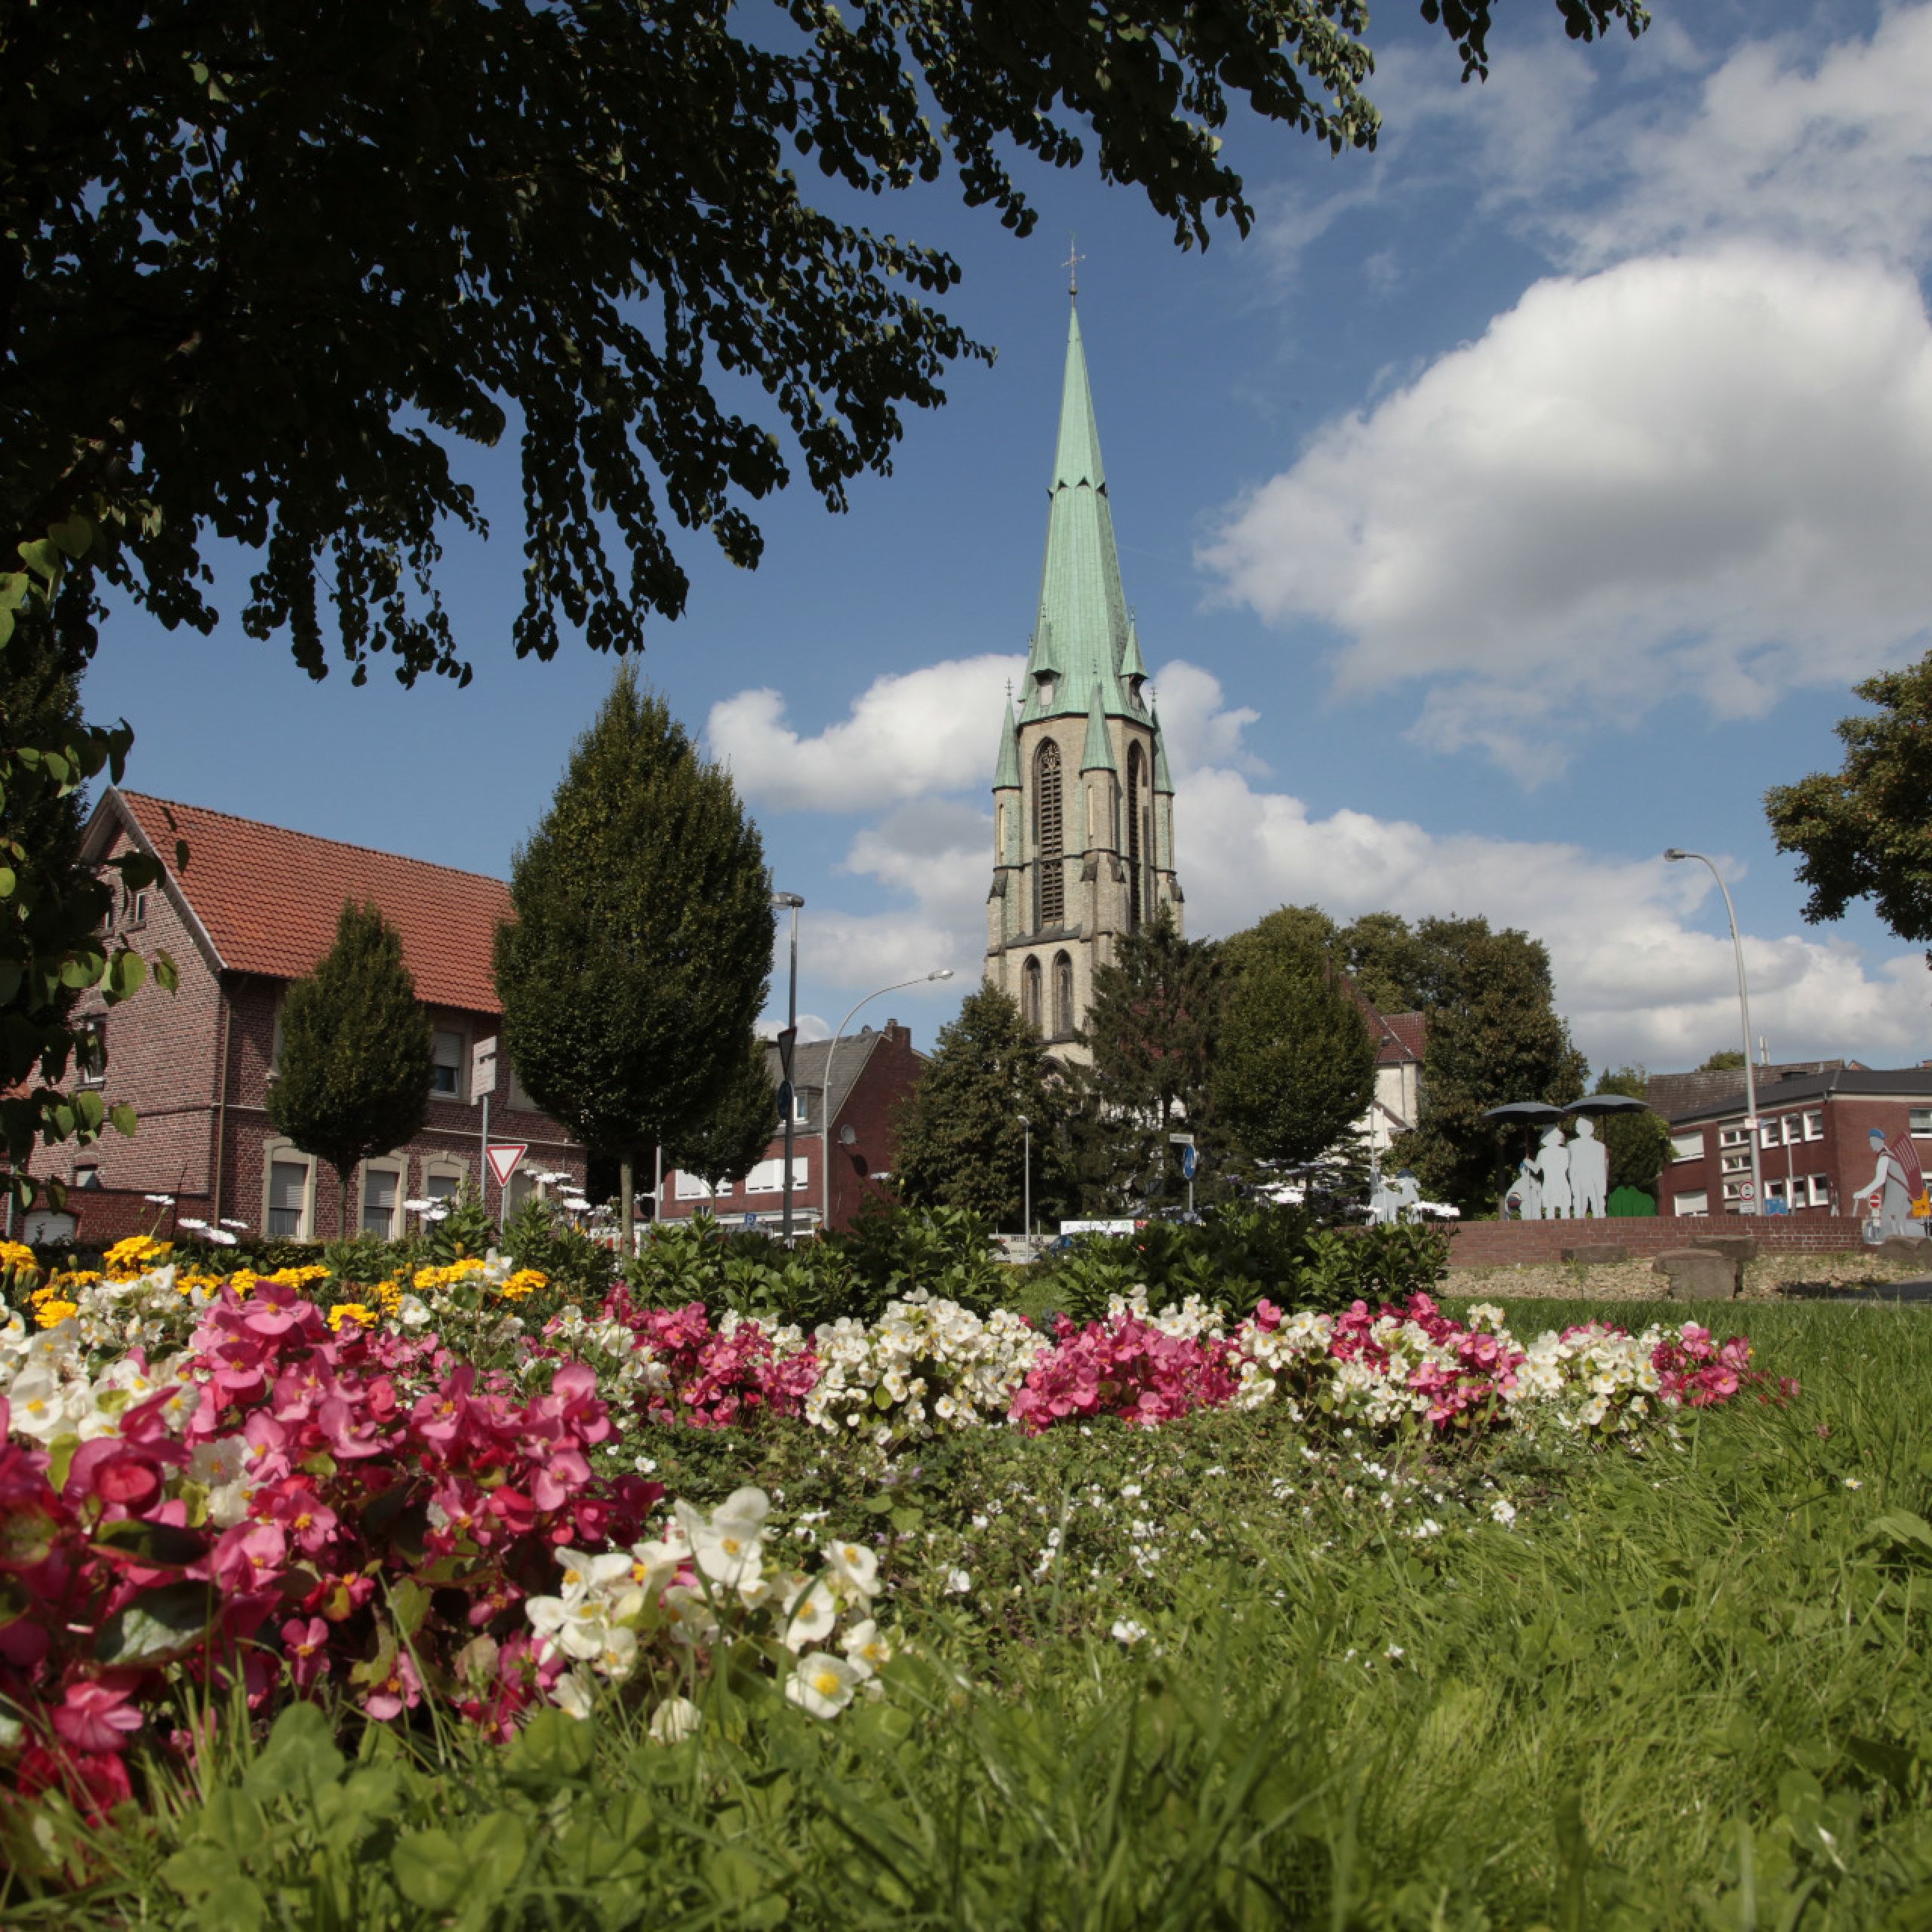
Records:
x=1072, y=265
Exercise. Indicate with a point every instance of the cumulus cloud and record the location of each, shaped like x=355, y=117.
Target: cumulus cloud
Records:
x=933, y=729
x=1707, y=475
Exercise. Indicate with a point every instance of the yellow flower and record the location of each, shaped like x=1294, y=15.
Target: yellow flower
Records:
x=524, y=1281
x=75, y=1278
x=351, y=1311
x=126, y=1260
x=50, y=1313
x=457, y=1272
x=17, y=1255
x=298, y=1278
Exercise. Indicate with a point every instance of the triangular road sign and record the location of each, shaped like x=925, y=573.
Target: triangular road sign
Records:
x=503, y=1162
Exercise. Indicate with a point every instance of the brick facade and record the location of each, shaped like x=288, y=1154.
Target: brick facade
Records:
x=196, y=1064
x=871, y=1075
x=1507, y=1244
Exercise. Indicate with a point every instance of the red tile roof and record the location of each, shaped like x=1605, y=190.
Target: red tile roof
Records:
x=1405, y=1037
x=269, y=899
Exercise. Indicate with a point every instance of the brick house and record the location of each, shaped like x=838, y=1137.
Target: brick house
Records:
x=1812, y=1151
x=869, y=1075
x=255, y=907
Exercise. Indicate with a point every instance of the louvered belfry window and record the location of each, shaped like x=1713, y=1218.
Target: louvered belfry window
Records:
x=1050, y=887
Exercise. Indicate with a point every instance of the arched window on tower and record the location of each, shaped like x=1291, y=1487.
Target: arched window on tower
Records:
x=1136, y=788
x=1030, y=992
x=1049, y=880
x=1063, y=996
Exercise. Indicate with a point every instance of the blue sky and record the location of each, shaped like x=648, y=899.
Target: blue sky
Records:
x=1512, y=503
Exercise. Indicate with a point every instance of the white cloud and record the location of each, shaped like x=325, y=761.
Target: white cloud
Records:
x=1709, y=475
x=934, y=730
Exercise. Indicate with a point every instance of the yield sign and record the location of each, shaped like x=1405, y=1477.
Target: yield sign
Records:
x=503, y=1162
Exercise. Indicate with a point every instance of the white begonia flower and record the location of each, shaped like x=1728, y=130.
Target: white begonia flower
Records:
x=693, y=1620
x=813, y=1616
x=959, y=1582
x=822, y=1684
x=654, y=1565
x=854, y=1566
x=1126, y=1631
x=574, y=1693
x=675, y=1720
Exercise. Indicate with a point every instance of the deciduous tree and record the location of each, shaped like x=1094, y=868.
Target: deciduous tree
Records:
x=640, y=949
x=357, y=1054
x=1638, y=1144
x=961, y=1144
x=731, y=1138
x=1295, y=1065
x=1865, y=831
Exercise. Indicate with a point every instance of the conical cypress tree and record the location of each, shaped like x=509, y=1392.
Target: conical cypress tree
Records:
x=640, y=952
x=357, y=1057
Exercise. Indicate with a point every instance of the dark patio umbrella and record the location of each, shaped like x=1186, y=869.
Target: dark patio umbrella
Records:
x=1526, y=1113
x=1609, y=1103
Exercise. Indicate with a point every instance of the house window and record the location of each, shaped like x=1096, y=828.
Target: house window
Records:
x=1687, y=1146
x=768, y=1177
x=1921, y=1123
x=290, y=1197
x=1733, y=1136
x=694, y=1187
x=1699, y=1203
x=798, y=1105
x=87, y=1175
x=382, y=1194
x=1738, y=1164
x=447, y=1049
x=90, y=1049
x=136, y=908
x=442, y=1179
x=1733, y=1190
x=1821, y=1190
x=1774, y=1189
x=1814, y=1123
x=1063, y=995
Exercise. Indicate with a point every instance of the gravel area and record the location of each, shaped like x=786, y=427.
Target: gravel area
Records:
x=1764, y=1279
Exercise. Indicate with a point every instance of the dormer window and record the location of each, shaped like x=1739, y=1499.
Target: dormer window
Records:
x=1043, y=684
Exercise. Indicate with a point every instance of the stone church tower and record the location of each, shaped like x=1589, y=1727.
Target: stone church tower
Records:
x=1083, y=805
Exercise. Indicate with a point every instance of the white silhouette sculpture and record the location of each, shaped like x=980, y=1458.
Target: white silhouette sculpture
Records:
x=1553, y=1165
x=1893, y=1213
x=1589, y=1171
x=1527, y=1193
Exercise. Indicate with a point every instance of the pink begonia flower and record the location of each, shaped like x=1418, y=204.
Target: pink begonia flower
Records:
x=96, y=1715
x=401, y=1691
x=305, y=1642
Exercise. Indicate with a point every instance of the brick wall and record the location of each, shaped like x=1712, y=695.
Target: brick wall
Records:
x=1501, y=1243
x=891, y=1071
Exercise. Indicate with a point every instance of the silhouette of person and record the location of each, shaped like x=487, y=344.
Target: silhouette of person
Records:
x=1888, y=1182
x=1589, y=1169
x=1408, y=1192
x=1553, y=1165
x=1528, y=1191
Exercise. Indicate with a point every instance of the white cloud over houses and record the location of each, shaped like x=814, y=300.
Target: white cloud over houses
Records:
x=1703, y=475
x=906, y=735
x=1636, y=978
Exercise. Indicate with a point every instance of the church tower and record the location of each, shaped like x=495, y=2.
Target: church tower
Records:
x=1083, y=804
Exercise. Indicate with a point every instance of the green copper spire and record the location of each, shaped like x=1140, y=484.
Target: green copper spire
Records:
x=1006, y=776
x=1099, y=754
x=1132, y=664
x=1163, y=778
x=1081, y=634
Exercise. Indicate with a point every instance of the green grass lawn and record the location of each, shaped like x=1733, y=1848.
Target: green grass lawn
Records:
x=1223, y=1674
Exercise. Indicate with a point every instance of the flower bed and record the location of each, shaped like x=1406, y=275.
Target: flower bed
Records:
x=288, y=1485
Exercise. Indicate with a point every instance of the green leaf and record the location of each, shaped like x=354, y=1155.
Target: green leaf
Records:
x=164, y=1545
x=223, y=1899
x=123, y=1118
x=159, y=1627
x=432, y=1869
x=300, y=1757
x=1901, y=1526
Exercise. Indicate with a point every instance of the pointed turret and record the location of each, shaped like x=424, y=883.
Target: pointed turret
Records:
x=1006, y=774
x=1081, y=638
x=1099, y=754
x=1163, y=779
x=1133, y=665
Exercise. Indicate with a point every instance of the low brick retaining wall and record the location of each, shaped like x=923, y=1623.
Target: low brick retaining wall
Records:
x=1501, y=1243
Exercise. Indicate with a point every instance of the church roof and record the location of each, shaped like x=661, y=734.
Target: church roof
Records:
x=1006, y=775
x=1163, y=778
x=1099, y=754
x=1082, y=634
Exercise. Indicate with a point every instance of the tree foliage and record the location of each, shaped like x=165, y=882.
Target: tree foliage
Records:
x=1638, y=1144
x=731, y=1138
x=1152, y=1025
x=640, y=949
x=357, y=1054
x=1495, y=1035
x=53, y=909
x=1726, y=1060
x=961, y=1144
x=1295, y=1067
x=268, y=269
x=1865, y=831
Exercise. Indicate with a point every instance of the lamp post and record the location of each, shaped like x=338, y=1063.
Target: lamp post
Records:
x=1757, y=1206
x=1026, y=1177
x=787, y=1040
x=825, y=1099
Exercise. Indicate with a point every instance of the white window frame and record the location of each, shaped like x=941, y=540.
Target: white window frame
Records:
x=1733, y=1190
x=1814, y=1123
x=693, y=1187
x=92, y=1068
x=461, y=1091
x=443, y=1167
x=277, y=1152
x=1821, y=1190
x=767, y=1176
x=1733, y=1136
x=396, y=1167
x=1919, y=1123
x=1696, y=1205
x=1737, y=1163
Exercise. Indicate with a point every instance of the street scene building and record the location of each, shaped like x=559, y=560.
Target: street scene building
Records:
x=254, y=908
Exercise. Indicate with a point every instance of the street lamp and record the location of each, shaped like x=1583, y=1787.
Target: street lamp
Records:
x=1026, y=1177
x=1744, y=1006
x=787, y=1040
x=825, y=1099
